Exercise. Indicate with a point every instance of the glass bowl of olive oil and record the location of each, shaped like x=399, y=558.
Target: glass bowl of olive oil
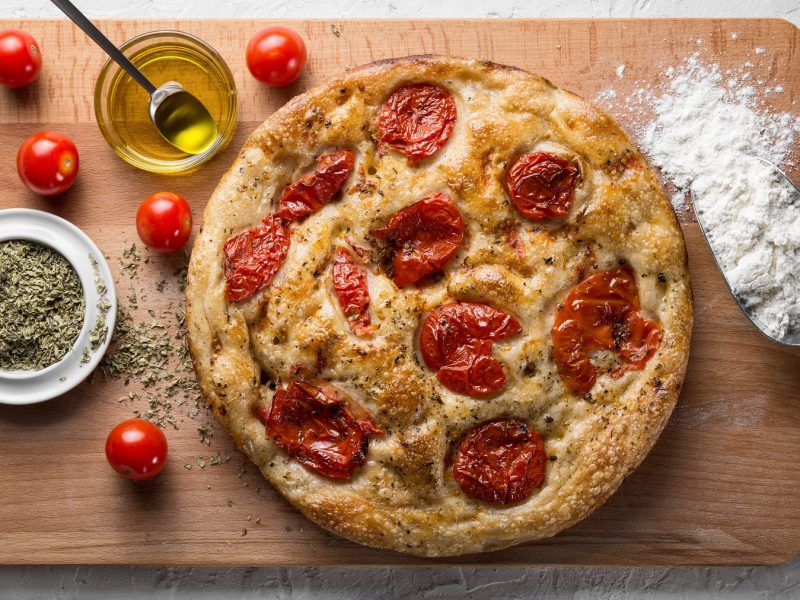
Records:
x=122, y=106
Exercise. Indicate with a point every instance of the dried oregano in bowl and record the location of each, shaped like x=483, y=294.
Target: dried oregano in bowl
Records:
x=41, y=306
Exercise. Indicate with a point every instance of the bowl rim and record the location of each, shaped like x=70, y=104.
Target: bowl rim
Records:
x=190, y=162
x=28, y=387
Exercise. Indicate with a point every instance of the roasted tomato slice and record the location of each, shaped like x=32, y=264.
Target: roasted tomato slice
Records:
x=313, y=191
x=452, y=325
x=472, y=370
x=541, y=185
x=253, y=257
x=501, y=462
x=423, y=236
x=456, y=341
x=602, y=313
x=350, y=285
x=417, y=120
x=320, y=426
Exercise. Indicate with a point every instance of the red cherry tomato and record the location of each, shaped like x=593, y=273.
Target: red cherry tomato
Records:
x=352, y=290
x=417, y=120
x=276, y=56
x=20, y=58
x=136, y=449
x=456, y=342
x=47, y=162
x=423, y=236
x=541, y=185
x=164, y=221
x=313, y=191
x=500, y=462
x=602, y=312
x=253, y=257
x=320, y=426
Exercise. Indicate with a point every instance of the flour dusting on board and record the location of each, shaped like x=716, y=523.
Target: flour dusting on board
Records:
x=705, y=130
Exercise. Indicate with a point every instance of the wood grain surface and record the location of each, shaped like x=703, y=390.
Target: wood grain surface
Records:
x=721, y=485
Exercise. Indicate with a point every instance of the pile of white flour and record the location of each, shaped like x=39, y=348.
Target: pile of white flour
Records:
x=706, y=132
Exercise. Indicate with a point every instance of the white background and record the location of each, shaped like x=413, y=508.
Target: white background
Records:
x=389, y=584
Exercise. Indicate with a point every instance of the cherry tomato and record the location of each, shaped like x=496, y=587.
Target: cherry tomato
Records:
x=313, y=191
x=352, y=291
x=423, y=236
x=456, y=342
x=253, y=257
x=136, y=449
x=500, y=462
x=47, y=162
x=276, y=56
x=417, y=120
x=320, y=426
x=20, y=58
x=164, y=221
x=541, y=185
x=602, y=312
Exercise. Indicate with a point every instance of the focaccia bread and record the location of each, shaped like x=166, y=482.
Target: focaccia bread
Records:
x=443, y=305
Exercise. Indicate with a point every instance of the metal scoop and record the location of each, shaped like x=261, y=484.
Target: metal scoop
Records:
x=792, y=336
x=775, y=168
x=173, y=110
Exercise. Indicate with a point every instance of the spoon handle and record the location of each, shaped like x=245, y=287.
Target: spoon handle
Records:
x=77, y=17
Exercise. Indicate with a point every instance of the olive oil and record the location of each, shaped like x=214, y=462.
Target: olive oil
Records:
x=186, y=123
x=128, y=103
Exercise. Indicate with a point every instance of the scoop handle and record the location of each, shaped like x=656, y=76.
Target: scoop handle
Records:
x=77, y=17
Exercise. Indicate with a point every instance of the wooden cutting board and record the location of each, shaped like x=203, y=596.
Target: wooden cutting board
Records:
x=721, y=486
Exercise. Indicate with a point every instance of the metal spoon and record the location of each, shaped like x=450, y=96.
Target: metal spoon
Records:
x=792, y=336
x=775, y=168
x=169, y=103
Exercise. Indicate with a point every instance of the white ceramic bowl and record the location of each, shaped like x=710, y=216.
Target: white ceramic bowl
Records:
x=27, y=387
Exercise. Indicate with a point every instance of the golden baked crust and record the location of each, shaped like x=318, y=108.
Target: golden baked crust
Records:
x=404, y=497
